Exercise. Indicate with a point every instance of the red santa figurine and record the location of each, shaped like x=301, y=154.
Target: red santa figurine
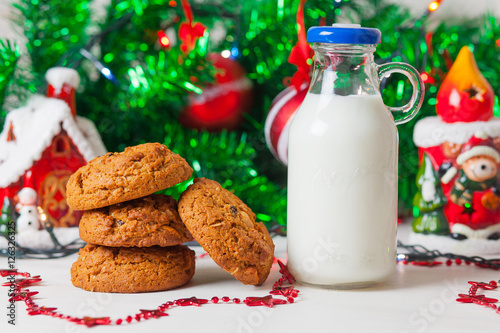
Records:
x=463, y=143
x=478, y=163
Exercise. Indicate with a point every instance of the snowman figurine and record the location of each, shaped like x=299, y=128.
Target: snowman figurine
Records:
x=28, y=223
x=29, y=218
x=26, y=197
x=30, y=228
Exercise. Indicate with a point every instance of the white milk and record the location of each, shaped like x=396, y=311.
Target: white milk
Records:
x=342, y=191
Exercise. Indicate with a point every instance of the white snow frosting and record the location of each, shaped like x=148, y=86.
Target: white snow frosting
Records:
x=432, y=131
x=472, y=246
x=40, y=239
x=58, y=76
x=35, y=125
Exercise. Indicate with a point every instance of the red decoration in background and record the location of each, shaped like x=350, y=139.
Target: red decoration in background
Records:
x=427, y=78
x=285, y=105
x=301, y=54
x=66, y=93
x=428, y=42
x=189, y=30
x=223, y=103
x=434, y=5
x=279, y=118
x=163, y=39
x=465, y=95
x=10, y=135
x=33, y=309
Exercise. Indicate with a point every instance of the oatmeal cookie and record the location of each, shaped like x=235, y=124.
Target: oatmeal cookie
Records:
x=132, y=270
x=225, y=227
x=148, y=221
x=117, y=177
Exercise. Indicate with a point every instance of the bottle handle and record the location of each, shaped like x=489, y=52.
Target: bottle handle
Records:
x=405, y=113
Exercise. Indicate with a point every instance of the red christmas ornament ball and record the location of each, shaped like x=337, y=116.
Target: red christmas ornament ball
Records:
x=222, y=104
x=279, y=117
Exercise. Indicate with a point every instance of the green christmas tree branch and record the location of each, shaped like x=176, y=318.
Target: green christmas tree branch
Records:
x=228, y=158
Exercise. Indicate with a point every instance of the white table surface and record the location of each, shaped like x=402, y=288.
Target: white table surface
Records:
x=415, y=299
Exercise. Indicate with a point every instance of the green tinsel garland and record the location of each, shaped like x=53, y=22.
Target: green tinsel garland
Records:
x=52, y=29
x=9, y=55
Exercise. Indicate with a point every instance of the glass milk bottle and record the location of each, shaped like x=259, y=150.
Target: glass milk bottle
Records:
x=342, y=164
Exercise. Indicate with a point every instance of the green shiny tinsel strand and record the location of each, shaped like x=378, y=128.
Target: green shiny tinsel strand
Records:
x=52, y=28
x=9, y=55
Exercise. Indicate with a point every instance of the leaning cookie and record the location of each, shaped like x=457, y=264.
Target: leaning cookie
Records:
x=225, y=227
x=148, y=221
x=132, y=270
x=117, y=177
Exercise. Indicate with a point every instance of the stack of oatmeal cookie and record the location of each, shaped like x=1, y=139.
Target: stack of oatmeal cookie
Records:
x=134, y=237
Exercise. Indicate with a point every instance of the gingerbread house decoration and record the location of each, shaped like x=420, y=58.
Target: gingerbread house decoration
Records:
x=463, y=144
x=43, y=143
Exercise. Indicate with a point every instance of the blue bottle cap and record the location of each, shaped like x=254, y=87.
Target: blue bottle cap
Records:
x=344, y=34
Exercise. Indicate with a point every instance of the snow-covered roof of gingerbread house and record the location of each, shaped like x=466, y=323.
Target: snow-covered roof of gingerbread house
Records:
x=34, y=126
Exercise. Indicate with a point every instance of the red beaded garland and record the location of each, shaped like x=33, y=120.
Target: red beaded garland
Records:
x=472, y=296
x=153, y=314
x=37, y=310
x=89, y=321
x=22, y=294
x=12, y=272
x=190, y=301
x=268, y=301
x=285, y=291
x=23, y=282
x=449, y=262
